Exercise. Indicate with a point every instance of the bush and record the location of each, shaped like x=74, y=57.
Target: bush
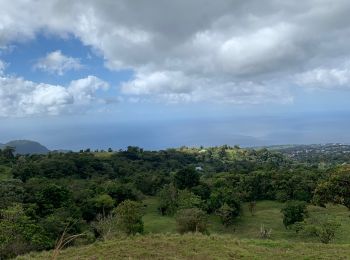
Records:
x=264, y=232
x=220, y=196
x=326, y=231
x=191, y=220
x=168, y=198
x=129, y=217
x=106, y=226
x=187, y=200
x=323, y=229
x=294, y=211
x=227, y=214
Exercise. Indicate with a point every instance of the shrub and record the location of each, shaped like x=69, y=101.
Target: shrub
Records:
x=294, y=211
x=227, y=214
x=168, y=198
x=191, y=220
x=264, y=232
x=187, y=200
x=326, y=231
x=106, y=226
x=323, y=229
x=129, y=217
x=223, y=195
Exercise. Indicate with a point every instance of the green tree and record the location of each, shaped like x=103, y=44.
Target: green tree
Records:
x=186, y=178
x=19, y=234
x=294, y=211
x=129, y=217
x=336, y=189
x=25, y=170
x=227, y=214
x=51, y=197
x=103, y=203
x=11, y=191
x=191, y=220
x=168, y=199
x=187, y=199
x=8, y=153
x=222, y=195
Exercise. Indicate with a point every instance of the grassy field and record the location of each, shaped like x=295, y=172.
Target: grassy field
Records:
x=196, y=246
x=103, y=155
x=239, y=242
x=268, y=213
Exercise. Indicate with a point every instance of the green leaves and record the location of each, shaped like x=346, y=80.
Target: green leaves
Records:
x=324, y=229
x=129, y=217
x=191, y=220
x=336, y=189
x=186, y=178
x=294, y=211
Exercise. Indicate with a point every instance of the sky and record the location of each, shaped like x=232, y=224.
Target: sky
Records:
x=158, y=74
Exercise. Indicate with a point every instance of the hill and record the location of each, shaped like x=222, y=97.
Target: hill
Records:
x=197, y=246
x=26, y=147
x=241, y=242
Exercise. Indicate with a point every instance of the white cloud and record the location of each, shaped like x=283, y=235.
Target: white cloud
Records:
x=258, y=52
x=329, y=78
x=228, y=49
x=175, y=87
x=21, y=98
x=57, y=63
x=2, y=67
x=84, y=90
x=159, y=82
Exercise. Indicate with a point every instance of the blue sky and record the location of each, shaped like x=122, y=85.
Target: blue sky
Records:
x=124, y=73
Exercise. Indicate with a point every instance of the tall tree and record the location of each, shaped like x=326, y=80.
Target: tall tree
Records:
x=186, y=178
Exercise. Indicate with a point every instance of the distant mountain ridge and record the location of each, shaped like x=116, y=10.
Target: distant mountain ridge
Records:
x=26, y=147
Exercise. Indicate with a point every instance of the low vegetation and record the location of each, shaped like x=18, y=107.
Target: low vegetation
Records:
x=197, y=246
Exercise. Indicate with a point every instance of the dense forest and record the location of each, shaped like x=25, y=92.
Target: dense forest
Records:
x=89, y=196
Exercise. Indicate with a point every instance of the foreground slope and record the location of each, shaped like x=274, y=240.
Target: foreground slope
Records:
x=268, y=213
x=197, y=246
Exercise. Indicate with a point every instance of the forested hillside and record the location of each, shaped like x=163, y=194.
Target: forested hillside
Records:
x=89, y=196
x=26, y=147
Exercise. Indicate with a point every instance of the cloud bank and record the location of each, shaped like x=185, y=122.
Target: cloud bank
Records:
x=201, y=50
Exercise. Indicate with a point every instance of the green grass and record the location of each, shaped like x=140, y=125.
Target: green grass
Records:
x=154, y=222
x=268, y=213
x=341, y=214
x=103, y=154
x=196, y=246
x=238, y=242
